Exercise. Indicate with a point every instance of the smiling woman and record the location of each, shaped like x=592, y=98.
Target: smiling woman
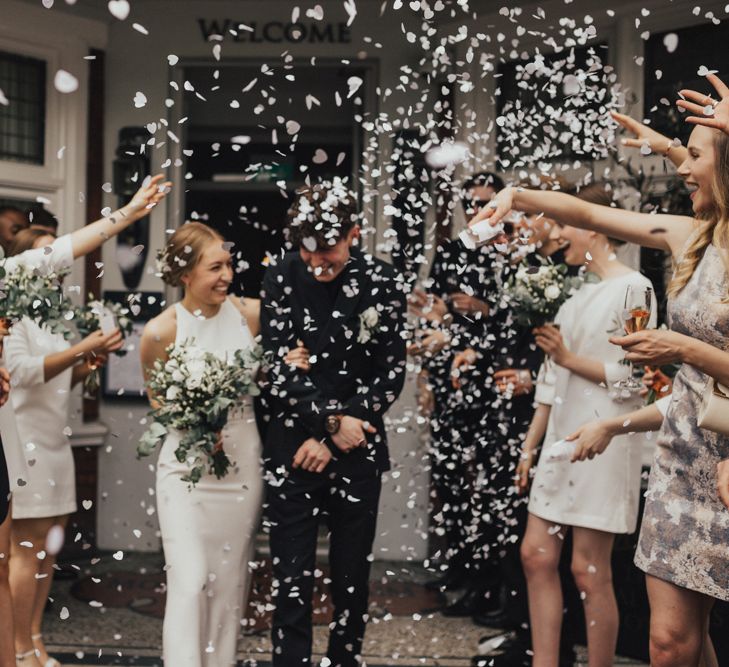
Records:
x=685, y=525
x=199, y=552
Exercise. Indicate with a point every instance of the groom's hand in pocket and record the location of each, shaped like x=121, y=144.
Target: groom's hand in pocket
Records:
x=312, y=456
x=352, y=433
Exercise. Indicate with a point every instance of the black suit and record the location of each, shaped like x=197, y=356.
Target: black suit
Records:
x=356, y=370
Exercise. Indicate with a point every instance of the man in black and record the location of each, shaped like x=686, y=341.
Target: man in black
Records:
x=325, y=447
x=462, y=291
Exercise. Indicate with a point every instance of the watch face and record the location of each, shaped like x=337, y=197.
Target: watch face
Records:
x=332, y=424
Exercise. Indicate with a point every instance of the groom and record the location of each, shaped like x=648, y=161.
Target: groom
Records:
x=325, y=447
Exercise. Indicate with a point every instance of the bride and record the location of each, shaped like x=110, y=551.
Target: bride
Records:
x=208, y=532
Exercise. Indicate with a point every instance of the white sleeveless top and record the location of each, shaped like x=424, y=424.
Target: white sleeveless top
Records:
x=222, y=334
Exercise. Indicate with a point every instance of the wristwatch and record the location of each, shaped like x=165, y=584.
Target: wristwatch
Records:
x=332, y=424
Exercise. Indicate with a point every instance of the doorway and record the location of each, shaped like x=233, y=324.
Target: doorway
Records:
x=253, y=135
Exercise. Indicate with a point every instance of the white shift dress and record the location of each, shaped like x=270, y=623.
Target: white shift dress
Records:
x=604, y=493
x=39, y=457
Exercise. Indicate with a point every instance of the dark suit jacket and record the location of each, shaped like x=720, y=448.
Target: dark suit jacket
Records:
x=360, y=379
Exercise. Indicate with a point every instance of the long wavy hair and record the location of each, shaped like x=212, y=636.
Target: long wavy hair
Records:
x=713, y=226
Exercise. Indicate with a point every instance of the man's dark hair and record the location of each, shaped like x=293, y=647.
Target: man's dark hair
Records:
x=38, y=215
x=484, y=178
x=324, y=213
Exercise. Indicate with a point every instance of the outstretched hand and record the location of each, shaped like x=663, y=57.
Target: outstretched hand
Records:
x=496, y=209
x=643, y=135
x=152, y=192
x=707, y=111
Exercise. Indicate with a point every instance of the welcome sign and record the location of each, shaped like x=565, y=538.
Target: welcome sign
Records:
x=274, y=32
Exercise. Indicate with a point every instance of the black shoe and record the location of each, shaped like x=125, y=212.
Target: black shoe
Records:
x=497, y=619
x=473, y=601
x=452, y=580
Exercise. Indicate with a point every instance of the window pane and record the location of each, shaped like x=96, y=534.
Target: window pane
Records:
x=553, y=107
x=22, y=120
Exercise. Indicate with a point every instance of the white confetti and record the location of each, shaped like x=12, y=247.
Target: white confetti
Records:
x=65, y=82
x=320, y=156
x=670, y=41
x=354, y=83
x=119, y=9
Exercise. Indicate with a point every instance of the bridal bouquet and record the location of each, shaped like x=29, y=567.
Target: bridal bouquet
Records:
x=535, y=293
x=194, y=392
x=95, y=315
x=37, y=294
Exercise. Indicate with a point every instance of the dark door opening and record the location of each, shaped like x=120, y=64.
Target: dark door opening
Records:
x=253, y=136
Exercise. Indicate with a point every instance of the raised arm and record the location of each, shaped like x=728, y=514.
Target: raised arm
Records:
x=91, y=236
x=665, y=232
x=658, y=143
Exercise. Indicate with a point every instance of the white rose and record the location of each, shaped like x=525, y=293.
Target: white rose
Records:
x=172, y=393
x=193, y=353
x=177, y=375
x=196, y=370
x=552, y=292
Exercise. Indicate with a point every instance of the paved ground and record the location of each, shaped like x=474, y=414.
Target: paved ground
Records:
x=92, y=633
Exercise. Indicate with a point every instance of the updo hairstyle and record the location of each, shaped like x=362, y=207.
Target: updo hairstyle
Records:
x=183, y=251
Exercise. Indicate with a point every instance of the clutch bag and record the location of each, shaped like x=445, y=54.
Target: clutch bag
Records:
x=714, y=408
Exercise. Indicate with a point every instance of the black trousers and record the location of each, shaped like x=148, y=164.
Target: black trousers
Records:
x=451, y=472
x=295, y=510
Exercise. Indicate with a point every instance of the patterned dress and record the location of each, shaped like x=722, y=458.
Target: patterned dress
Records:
x=685, y=533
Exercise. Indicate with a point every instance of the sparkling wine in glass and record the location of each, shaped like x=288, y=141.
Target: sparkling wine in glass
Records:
x=638, y=307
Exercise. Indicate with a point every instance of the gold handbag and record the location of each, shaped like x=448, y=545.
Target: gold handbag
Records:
x=714, y=408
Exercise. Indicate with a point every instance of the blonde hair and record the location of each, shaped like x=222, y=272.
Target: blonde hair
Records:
x=183, y=251
x=713, y=226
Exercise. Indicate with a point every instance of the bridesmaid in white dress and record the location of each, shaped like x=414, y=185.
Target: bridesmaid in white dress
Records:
x=43, y=367
x=208, y=532
x=596, y=500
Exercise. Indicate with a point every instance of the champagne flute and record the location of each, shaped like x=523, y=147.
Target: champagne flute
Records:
x=638, y=307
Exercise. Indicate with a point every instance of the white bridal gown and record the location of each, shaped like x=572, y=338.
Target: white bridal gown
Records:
x=208, y=532
x=602, y=494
